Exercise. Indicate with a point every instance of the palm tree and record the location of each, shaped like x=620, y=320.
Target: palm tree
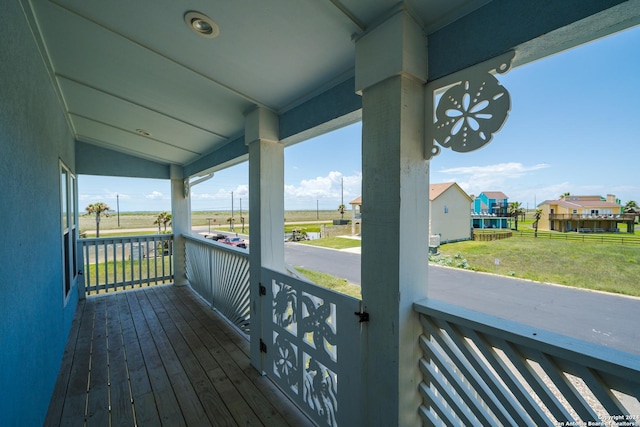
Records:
x=97, y=208
x=564, y=195
x=341, y=209
x=166, y=220
x=516, y=210
x=631, y=206
x=536, y=217
x=163, y=218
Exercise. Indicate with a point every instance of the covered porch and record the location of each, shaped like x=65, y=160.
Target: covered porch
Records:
x=111, y=89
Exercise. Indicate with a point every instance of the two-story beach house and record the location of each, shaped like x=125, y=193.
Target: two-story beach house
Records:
x=490, y=209
x=180, y=90
x=585, y=214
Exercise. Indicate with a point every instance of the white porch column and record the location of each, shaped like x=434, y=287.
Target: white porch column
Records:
x=180, y=222
x=391, y=69
x=266, y=208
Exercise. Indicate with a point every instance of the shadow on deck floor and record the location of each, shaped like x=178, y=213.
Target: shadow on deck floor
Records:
x=160, y=356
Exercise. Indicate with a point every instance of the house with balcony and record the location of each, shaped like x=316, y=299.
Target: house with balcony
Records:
x=585, y=214
x=490, y=209
x=174, y=92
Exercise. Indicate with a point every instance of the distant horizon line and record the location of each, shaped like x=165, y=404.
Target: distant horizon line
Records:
x=112, y=212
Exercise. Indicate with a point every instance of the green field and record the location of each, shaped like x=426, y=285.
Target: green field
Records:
x=590, y=265
x=135, y=273
x=217, y=219
x=331, y=282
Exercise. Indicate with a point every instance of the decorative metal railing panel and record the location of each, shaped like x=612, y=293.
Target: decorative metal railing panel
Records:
x=482, y=370
x=120, y=263
x=313, y=343
x=220, y=274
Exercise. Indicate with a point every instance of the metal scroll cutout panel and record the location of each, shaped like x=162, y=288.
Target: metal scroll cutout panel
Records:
x=467, y=107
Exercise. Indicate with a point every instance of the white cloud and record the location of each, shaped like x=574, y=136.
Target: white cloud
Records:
x=326, y=187
x=155, y=195
x=106, y=195
x=241, y=191
x=115, y=195
x=502, y=170
x=476, y=179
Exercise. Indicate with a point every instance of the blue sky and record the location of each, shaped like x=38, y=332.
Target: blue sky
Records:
x=573, y=127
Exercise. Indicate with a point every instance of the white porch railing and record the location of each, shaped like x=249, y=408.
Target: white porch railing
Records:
x=482, y=370
x=220, y=274
x=313, y=347
x=119, y=263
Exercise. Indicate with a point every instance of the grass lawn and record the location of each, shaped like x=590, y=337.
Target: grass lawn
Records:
x=91, y=235
x=309, y=228
x=116, y=271
x=606, y=267
x=332, y=282
x=217, y=220
x=334, y=243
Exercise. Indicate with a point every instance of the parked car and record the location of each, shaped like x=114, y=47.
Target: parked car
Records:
x=234, y=241
x=216, y=237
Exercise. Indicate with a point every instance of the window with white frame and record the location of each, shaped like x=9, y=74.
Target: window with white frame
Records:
x=69, y=227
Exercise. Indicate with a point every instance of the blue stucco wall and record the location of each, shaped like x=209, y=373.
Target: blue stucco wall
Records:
x=94, y=160
x=34, y=319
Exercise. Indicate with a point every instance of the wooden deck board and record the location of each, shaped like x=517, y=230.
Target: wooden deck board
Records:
x=98, y=393
x=230, y=395
x=166, y=403
x=74, y=408
x=58, y=398
x=212, y=400
x=159, y=356
x=144, y=404
x=259, y=392
x=119, y=388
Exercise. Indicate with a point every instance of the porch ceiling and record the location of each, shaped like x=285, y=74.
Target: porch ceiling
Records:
x=121, y=66
x=125, y=67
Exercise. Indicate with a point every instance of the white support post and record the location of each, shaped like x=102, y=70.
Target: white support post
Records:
x=266, y=207
x=391, y=73
x=180, y=222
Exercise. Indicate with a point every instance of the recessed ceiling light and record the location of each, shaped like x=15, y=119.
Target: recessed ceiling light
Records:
x=201, y=24
x=143, y=132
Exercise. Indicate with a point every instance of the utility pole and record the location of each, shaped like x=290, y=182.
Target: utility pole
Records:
x=317, y=210
x=341, y=198
x=231, y=222
x=118, y=207
x=241, y=218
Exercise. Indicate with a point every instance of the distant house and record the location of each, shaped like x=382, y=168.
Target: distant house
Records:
x=490, y=209
x=448, y=212
x=584, y=214
x=449, y=215
x=356, y=213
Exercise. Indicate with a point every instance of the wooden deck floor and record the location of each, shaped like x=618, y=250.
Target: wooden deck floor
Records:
x=159, y=356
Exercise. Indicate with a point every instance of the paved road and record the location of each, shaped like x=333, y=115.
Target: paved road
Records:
x=604, y=319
